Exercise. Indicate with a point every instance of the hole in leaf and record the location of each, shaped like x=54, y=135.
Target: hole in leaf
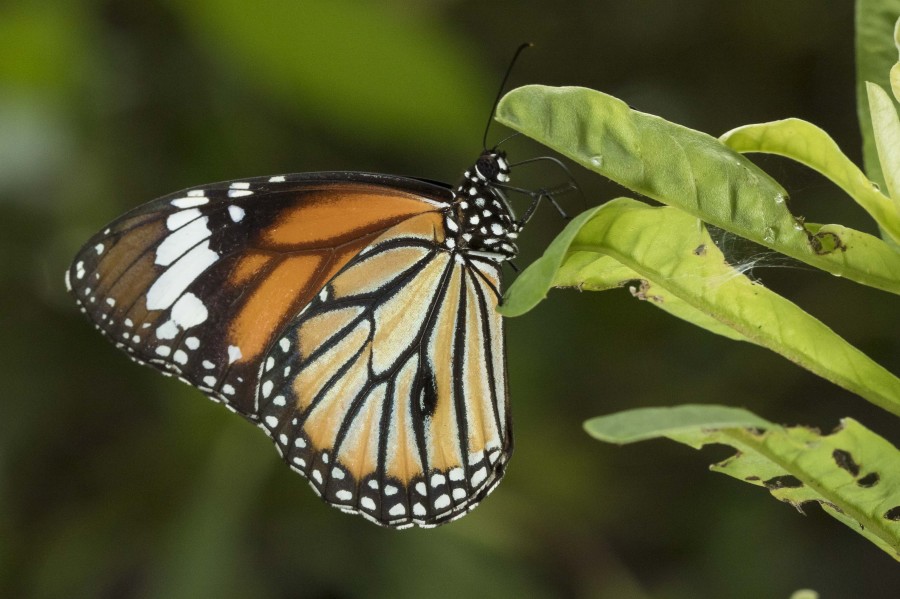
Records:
x=845, y=461
x=869, y=480
x=787, y=481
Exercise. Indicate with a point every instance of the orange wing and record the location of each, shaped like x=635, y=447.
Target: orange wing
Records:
x=388, y=392
x=200, y=283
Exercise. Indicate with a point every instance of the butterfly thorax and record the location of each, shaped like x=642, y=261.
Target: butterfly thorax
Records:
x=483, y=221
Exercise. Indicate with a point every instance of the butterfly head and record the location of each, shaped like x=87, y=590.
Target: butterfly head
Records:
x=491, y=168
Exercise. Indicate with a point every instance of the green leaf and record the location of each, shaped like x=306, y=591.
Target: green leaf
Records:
x=887, y=139
x=875, y=55
x=895, y=70
x=809, y=145
x=692, y=171
x=852, y=473
x=627, y=242
x=641, y=424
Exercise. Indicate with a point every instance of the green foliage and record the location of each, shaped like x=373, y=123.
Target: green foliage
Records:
x=666, y=256
x=875, y=56
x=671, y=261
x=694, y=172
x=809, y=145
x=852, y=473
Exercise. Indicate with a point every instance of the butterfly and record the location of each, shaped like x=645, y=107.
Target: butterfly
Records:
x=351, y=316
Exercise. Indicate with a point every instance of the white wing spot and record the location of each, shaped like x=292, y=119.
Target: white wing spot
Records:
x=208, y=365
x=437, y=480
x=172, y=283
x=181, y=218
x=456, y=474
x=420, y=488
x=390, y=490
x=239, y=193
x=227, y=389
x=234, y=354
x=209, y=381
x=397, y=510
x=271, y=421
x=442, y=501
x=344, y=495
x=285, y=344
x=163, y=350
x=317, y=475
x=276, y=179
x=459, y=493
x=111, y=302
x=267, y=388
x=337, y=473
x=419, y=509
x=279, y=400
x=99, y=247
x=367, y=503
x=167, y=330
x=192, y=343
x=190, y=201
x=236, y=213
x=270, y=362
x=177, y=243
x=299, y=442
x=180, y=357
x=479, y=476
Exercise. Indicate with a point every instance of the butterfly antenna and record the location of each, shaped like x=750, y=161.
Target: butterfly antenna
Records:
x=500, y=91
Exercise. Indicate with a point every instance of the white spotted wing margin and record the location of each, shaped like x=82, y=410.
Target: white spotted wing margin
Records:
x=199, y=283
x=389, y=392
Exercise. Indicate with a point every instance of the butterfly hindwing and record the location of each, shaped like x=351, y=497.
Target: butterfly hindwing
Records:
x=388, y=391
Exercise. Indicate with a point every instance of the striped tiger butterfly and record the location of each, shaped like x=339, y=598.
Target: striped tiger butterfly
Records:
x=351, y=316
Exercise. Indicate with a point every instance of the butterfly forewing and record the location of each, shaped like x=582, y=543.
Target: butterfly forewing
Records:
x=388, y=392
x=200, y=283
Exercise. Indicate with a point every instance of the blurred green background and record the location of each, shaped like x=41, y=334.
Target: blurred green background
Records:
x=116, y=482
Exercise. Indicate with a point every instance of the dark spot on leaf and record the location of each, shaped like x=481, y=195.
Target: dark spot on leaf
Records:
x=845, y=461
x=825, y=243
x=869, y=480
x=752, y=478
x=783, y=482
x=893, y=513
x=700, y=250
x=640, y=292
